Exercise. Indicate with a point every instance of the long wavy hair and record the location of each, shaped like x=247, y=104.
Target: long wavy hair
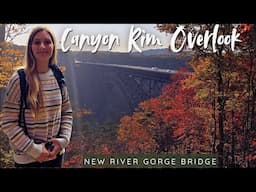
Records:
x=34, y=98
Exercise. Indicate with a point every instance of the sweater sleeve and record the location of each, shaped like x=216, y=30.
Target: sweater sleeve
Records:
x=10, y=126
x=66, y=120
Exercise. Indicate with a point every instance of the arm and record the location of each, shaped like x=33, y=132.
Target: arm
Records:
x=10, y=126
x=66, y=121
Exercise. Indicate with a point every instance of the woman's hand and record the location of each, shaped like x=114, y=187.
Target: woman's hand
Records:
x=57, y=148
x=44, y=156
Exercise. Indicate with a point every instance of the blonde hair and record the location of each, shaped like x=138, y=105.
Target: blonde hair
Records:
x=34, y=97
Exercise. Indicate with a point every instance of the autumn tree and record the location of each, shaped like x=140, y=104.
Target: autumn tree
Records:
x=10, y=59
x=225, y=80
x=219, y=70
x=247, y=77
x=10, y=56
x=170, y=123
x=9, y=31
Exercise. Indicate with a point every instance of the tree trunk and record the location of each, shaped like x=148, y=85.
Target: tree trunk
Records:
x=2, y=32
x=221, y=106
x=233, y=132
x=215, y=126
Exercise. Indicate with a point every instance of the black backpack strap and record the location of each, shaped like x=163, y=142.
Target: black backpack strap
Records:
x=59, y=77
x=61, y=82
x=23, y=102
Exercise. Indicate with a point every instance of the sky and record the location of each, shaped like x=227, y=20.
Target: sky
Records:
x=110, y=37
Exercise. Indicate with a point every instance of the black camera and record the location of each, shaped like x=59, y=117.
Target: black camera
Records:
x=49, y=146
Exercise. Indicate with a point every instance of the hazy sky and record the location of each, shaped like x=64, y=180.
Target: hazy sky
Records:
x=123, y=32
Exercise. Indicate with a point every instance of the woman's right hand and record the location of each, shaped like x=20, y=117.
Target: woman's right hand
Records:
x=44, y=156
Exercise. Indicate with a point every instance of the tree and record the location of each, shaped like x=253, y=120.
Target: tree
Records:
x=10, y=59
x=170, y=123
x=9, y=31
x=225, y=80
x=218, y=73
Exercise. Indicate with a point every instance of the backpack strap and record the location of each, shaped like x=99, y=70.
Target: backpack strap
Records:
x=59, y=77
x=23, y=102
x=60, y=80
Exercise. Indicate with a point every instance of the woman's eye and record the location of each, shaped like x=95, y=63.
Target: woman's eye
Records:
x=47, y=42
x=37, y=42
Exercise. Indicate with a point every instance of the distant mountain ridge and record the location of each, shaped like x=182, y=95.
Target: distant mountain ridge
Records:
x=154, y=58
x=163, y=51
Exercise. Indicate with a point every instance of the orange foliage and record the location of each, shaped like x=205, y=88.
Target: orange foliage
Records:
x=245, y=28
x=75, y=161
x=62, y=68
x=135, y=134
x=10, y=59
x=166, y=121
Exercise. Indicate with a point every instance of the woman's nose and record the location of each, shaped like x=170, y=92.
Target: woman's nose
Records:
x=42, y=45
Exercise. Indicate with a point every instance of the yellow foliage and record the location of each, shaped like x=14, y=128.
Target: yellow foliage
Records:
x=10, y=59
x=202, y=93
x=62, y=68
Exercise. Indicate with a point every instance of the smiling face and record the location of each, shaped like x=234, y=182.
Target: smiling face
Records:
x=42, y=47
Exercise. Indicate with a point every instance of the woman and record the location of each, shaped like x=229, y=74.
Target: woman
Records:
x=48, y=115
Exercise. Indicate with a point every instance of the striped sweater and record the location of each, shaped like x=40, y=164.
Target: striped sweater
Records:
x=54, y=115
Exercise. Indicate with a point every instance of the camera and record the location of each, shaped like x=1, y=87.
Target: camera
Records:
x=49, y=146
